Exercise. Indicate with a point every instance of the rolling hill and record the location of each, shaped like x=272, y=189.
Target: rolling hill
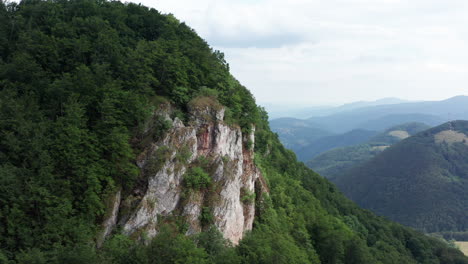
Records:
x=323, y=144
x=336, y=162
x=420, y=181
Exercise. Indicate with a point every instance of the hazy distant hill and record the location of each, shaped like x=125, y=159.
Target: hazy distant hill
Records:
x=383, y=116
x=337, y=161
x=361, y=104
x=297, y=133
x=394, y=120
x=421, y=181
x=321, y=145
x=282, y=110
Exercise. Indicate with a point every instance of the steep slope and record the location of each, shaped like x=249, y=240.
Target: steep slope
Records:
x=420, y=181
x=115, y=149
x=323, y=144
x=336, y=162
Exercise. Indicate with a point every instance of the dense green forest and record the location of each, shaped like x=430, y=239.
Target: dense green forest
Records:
x=420, y=181
x=79, y=78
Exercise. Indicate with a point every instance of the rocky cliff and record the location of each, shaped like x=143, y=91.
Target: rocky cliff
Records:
x=196, y=174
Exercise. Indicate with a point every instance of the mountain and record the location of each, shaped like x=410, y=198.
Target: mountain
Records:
x=295, y=134
x=276, y=110
x=420, y=181
x=384, y=122
x=336, y=162
x=125, y=139
x=323, y=144
x=383, y=116
x=361, y=104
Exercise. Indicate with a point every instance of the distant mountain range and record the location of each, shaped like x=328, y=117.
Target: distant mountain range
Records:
x=280, y=110
x=383, y=116
x=422, y=181
x=297, y=134
x=338, y=161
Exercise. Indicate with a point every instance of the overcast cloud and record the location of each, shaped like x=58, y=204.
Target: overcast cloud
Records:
x=336, y=51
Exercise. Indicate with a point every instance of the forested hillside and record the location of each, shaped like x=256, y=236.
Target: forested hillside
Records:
x=420, y=181
x=79, y=81
x=336, y=162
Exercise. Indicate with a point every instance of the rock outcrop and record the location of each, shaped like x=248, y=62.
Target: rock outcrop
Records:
x=224, y=153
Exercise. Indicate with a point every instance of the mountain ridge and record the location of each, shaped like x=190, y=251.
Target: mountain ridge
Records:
x=418, y=182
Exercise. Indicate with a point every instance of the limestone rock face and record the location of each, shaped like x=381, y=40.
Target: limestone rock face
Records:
x=224, y=154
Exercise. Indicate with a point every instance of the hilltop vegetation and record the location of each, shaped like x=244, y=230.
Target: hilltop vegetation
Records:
x=420, y=181
x=78, y=81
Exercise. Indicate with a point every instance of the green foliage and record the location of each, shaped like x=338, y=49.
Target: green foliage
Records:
x=197, y=178
x=155, y=129
x=207, y=92
x=247, y=196
x=183, y=154
x=170, y=247
x=219, y=249
x=206, y=216
x=157, y=159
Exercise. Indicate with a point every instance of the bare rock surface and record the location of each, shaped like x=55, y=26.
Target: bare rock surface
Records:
x=235, y=180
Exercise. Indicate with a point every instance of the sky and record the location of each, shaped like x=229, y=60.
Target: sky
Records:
x=320, y=52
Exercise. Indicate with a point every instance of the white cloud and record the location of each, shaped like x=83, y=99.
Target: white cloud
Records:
x=336, y=50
